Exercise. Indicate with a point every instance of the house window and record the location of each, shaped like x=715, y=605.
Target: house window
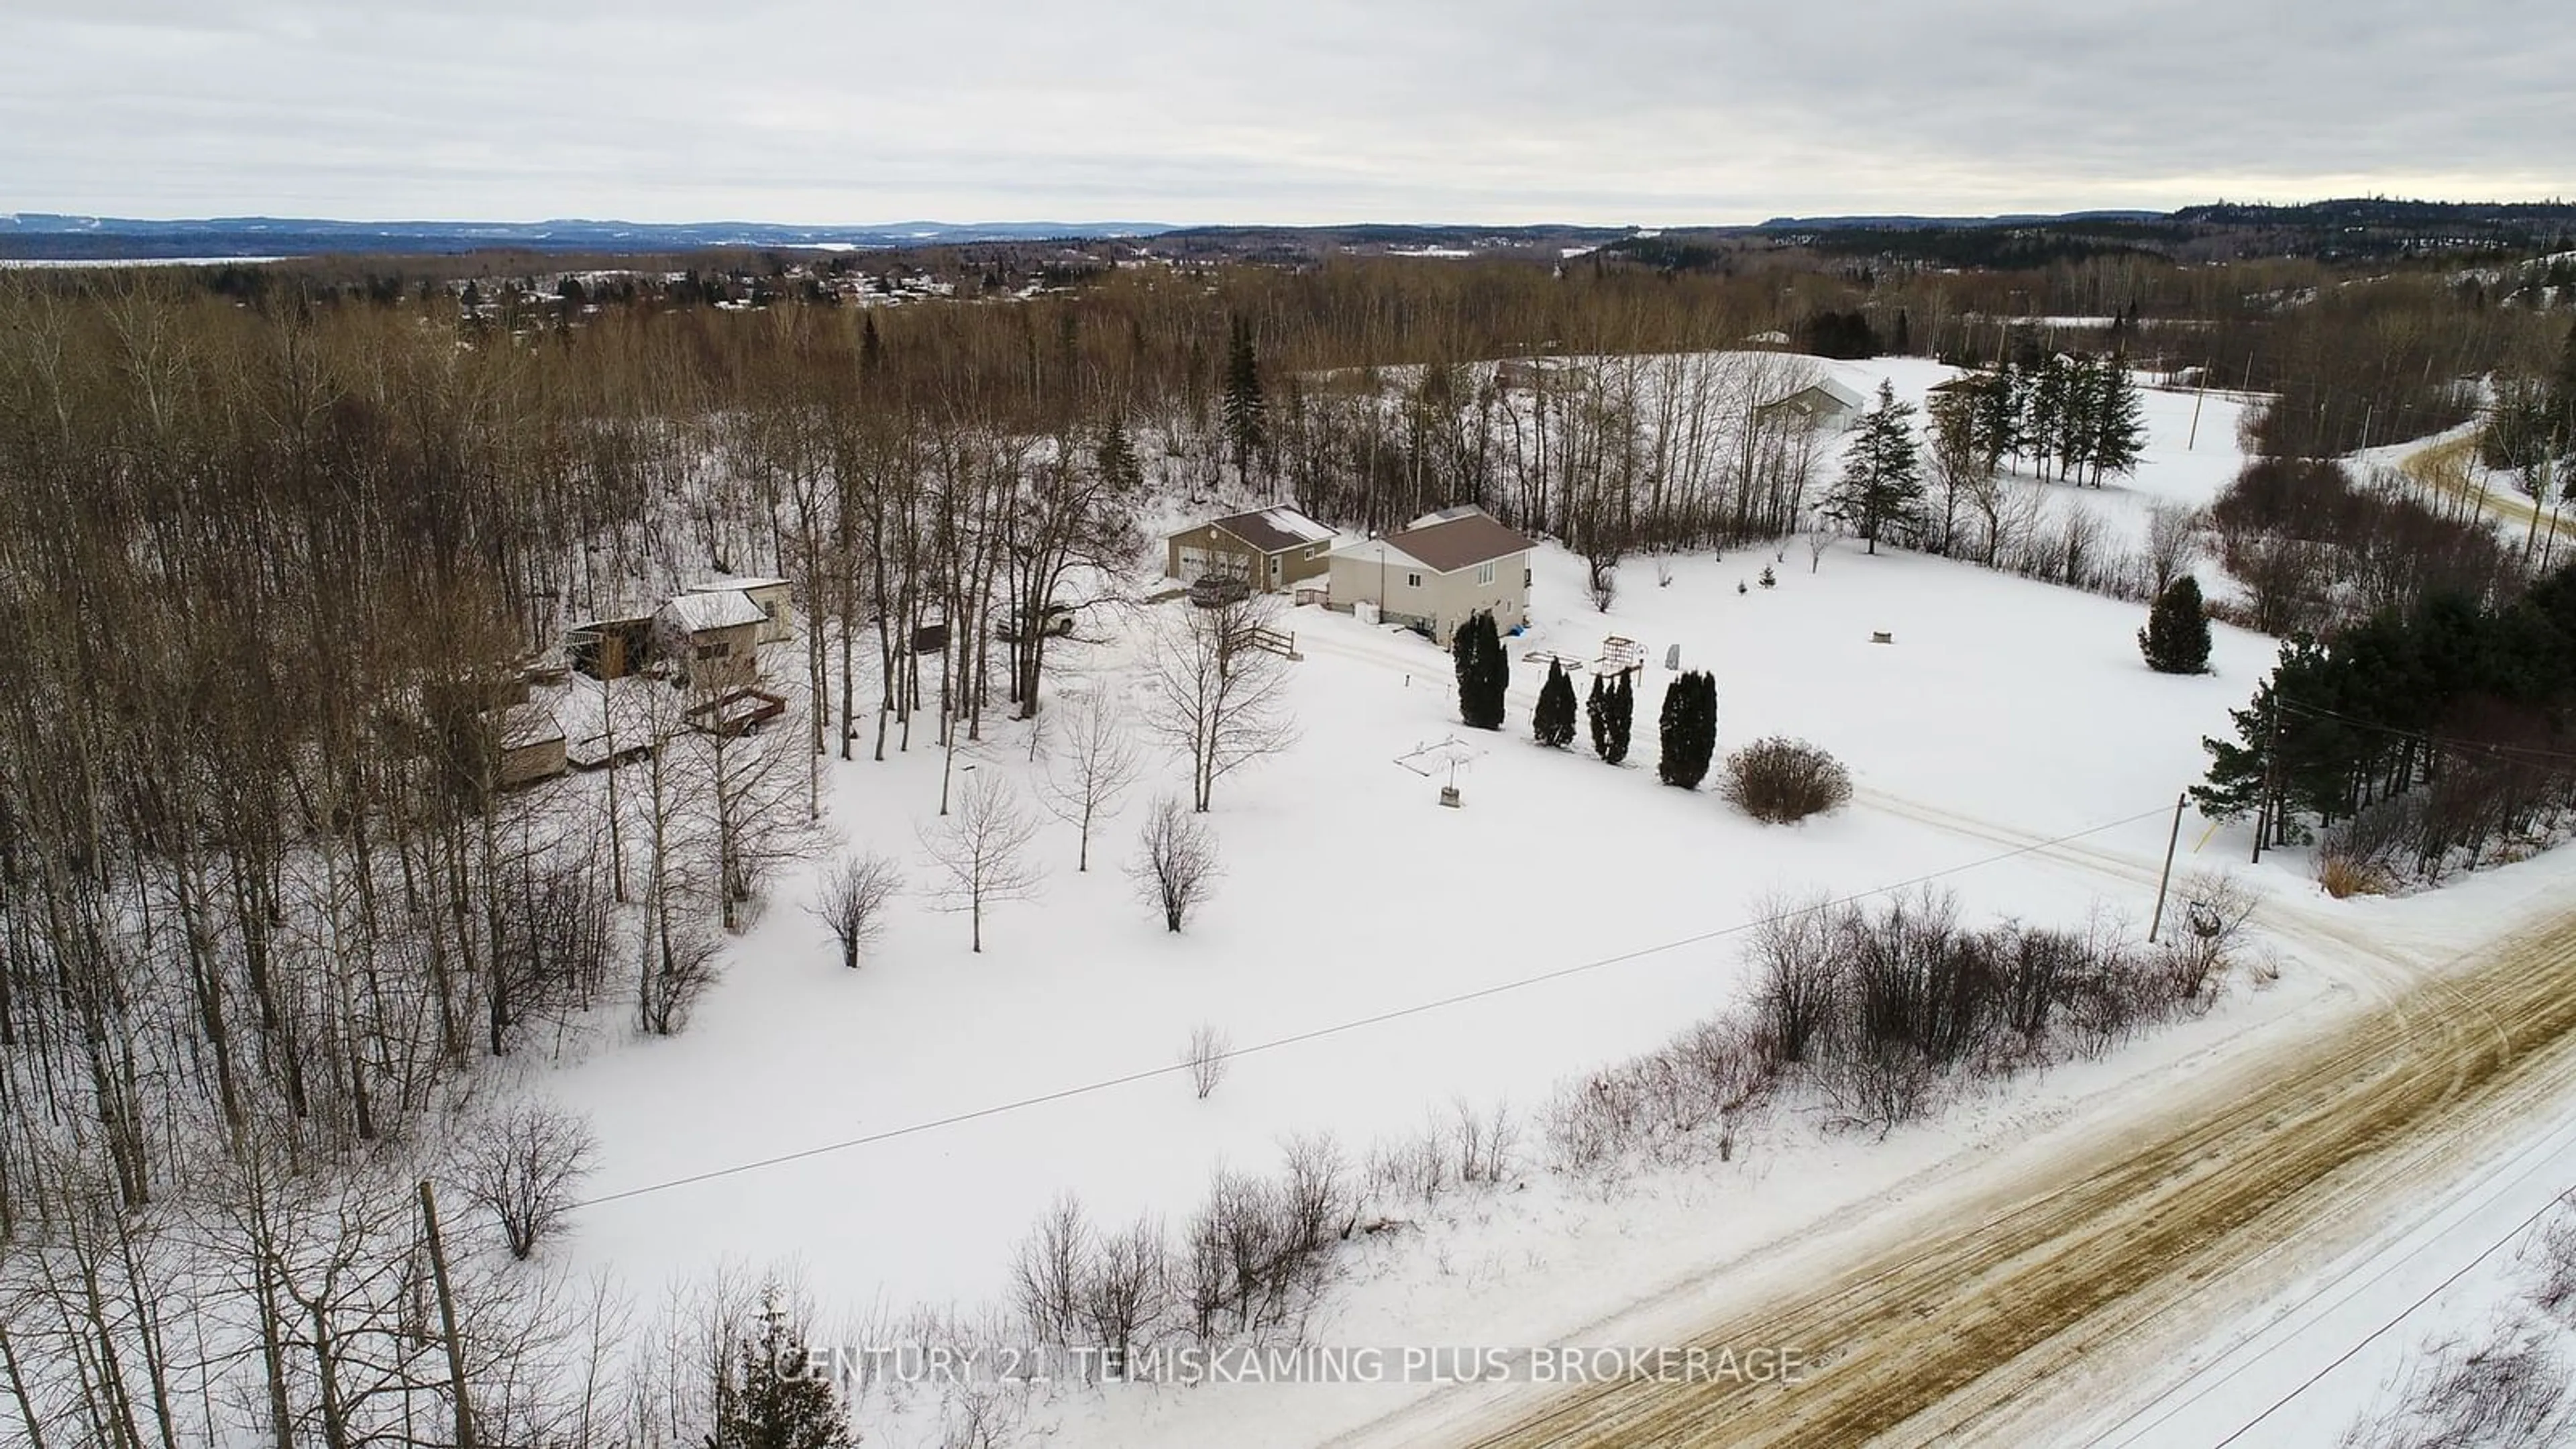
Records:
x=1274, y=571
x=714, y=651
x=1413, y=581
x=1525, y=578
x=1484, y=573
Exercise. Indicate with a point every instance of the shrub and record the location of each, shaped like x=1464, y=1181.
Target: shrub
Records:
x=1780, y=781
x=2176, y=639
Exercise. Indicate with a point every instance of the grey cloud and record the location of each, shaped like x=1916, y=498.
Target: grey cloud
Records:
x=1652, y=111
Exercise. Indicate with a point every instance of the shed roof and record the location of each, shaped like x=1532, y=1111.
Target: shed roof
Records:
x=1274, y=529
x=1456, y=543
x=721, y=609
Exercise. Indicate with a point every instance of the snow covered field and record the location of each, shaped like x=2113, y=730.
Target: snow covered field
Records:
x=1350, y=893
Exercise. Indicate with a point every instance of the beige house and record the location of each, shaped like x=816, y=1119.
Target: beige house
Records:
x=1270, y=548
x=712, y=639
x=774, y=596
x=1433, y=575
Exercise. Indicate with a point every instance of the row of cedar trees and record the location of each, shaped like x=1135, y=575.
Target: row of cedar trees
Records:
x=1687, y=739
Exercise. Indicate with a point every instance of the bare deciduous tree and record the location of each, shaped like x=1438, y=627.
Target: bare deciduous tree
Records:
x=1215, y=696
x=522, y=1166
x=1206, y=1056
x=1175, y=865
x=853, y=902
x=979, y=852
x=1092, y=768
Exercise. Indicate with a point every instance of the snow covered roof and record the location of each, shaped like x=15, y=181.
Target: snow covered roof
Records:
x=1370, y=550
x=1274, y=528
x=1822, y=395
x=719, y=609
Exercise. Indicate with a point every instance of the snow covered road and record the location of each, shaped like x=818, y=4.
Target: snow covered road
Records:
x=2022, y=1300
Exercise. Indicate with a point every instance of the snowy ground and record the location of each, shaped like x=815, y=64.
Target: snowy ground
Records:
x=1355, y=909
x=1350, y=892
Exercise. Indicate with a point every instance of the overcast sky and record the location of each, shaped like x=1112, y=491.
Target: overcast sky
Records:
x=1655, y=112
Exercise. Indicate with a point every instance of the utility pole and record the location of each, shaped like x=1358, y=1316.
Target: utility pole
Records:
x=2157, y=921
x=2194, y=435
x=447, y=1318
x=2267, y=811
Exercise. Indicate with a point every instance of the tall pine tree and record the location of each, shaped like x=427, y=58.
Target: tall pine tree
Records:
x=1882, y=482
x=1687, y=730
x=2117, y=425
x=1247, y=424
x=1553, y=721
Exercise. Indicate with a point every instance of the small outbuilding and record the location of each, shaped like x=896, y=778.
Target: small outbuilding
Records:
x=774, y=596
x=607, y=649
x=532, y=747
x=1434, y=574
x=1269, y=548
x=712, y=639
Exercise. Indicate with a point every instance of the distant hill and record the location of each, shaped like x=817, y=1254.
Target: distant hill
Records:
x=41, y=236
x=1927, y=223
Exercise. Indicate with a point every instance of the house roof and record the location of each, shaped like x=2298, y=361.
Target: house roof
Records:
x=722, y=609
x=1820, y=391
x=1274, y=529
x=1461, y=542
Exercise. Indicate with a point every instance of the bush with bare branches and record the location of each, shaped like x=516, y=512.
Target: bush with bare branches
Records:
x=1206, y=1055
x=522, y=1165
x=853, y=902
x=1781, y=781
x=1175, y=865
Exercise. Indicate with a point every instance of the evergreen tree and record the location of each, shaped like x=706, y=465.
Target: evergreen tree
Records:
x=2043, y=423
x=871, y=347
x=772, y=1400
x=2176, y=639
x=1116, y=459
x=1882, y=478
x=1484, y=671
x=1246, y=421
x=1553, y=721
x=1612, y=709
x=1996, y=416
x=1687, y=730
x=1903, y=342
x=2117, y=424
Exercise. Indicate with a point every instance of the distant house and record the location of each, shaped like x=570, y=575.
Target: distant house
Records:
x=1825, y=403
x=774, y=597
x=1434, y=574
x=1269, y=548
x=712, y=639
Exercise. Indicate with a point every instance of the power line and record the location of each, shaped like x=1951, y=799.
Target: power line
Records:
x=1423, y=1008
x=2429, y=1295
x=2498, y=751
